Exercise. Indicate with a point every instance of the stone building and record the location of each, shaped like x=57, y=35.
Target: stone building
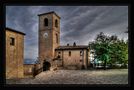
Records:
x=51, y=53
x=14, y=53
x=49, y=36
x=73, y=57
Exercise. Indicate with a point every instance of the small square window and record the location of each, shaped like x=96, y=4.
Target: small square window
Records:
x=59, y=52
x=12, y=41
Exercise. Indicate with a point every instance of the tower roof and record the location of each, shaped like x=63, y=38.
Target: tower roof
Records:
x=52, y=12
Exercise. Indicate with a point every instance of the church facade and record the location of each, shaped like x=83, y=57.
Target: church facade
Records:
x=51, y=53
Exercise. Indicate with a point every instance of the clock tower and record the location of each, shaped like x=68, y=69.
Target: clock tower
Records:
x=49, y=35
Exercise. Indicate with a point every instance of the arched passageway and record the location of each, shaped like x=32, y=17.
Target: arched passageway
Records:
x=46, y=66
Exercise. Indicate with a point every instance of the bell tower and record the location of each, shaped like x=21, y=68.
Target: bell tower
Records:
x=49, y=35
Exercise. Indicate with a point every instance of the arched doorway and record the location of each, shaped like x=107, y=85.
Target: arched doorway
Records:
x=46, y=66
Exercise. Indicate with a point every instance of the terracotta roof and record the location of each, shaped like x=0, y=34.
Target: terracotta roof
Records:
x=77, y=47
x=10, y=29
x=49, y=13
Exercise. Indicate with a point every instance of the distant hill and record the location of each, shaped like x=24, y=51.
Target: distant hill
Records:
x=29, y=61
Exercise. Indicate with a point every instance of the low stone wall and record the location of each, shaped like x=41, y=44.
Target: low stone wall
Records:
x=28, y=70
x=72, y=67
x=31, y=70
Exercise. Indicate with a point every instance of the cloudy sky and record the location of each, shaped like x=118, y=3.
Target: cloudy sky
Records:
x=79, y=24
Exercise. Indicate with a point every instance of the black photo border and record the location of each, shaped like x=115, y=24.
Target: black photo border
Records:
x=5, y=3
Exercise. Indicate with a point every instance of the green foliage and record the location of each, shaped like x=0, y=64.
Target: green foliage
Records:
x=110, y=49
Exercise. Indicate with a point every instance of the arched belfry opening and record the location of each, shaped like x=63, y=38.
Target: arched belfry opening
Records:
x=56, y=23
x=46, y=66
x=45, y=22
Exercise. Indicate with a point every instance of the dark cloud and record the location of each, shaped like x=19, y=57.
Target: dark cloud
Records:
x=94, y=19
x=79, y=24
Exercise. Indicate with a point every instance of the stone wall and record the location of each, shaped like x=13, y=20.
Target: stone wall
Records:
x=14, y=55
x=47, y=45
x=28, y=70
x=56, y=30
x=31, y=70
x=75, y=60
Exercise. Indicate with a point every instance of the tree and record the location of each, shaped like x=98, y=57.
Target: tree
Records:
x=101, y=47
x=110, y=49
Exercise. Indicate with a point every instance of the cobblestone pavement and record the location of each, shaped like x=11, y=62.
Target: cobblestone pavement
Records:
x=111, y=76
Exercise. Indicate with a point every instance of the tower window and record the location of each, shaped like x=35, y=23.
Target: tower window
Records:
x=56, y=38
x=12, y=41
x=69, y=53
x=56, y=23
x=46, y=22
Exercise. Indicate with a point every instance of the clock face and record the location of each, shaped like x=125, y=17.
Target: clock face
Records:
x=45, y=35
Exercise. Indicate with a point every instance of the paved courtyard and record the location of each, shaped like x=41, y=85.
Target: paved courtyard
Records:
x=111, y=76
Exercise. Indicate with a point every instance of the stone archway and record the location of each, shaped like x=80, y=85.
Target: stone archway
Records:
x=46, y=66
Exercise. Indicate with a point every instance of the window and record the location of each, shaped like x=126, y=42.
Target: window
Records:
x=81, y=53
x=46, y=22
x=56, y=23
x=58, y=55
x=30, y=69
x=12, y=41
x=56, y=38
x=69, y=53
x=58, y=52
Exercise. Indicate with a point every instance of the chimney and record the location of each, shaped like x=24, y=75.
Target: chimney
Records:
x=74, y=44
x=68, y=44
